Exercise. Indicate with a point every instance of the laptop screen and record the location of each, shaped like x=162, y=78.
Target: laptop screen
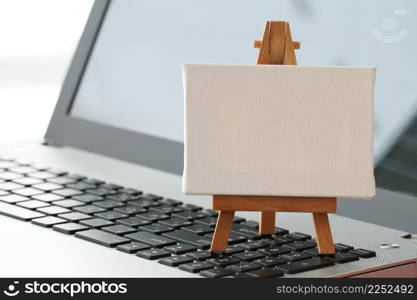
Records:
x=133, y=79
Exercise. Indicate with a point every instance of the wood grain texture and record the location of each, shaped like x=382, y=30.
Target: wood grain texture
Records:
x=267, y=222
x=274, y=203
x=324, y=234
x=222, y=231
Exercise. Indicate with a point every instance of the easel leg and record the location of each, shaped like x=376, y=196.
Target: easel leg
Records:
x=324, y=233
x=267, y=224
x=222, y=231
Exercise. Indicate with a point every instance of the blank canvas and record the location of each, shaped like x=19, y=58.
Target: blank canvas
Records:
x=279, y=130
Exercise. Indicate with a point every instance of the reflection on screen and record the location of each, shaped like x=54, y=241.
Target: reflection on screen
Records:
x=134, y=77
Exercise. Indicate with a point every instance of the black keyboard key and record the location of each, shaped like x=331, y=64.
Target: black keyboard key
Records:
x=20, y=213
x=130, y=191
x=68, y=203
x=265, y=273
x=74, y=216
x=250, y=232
x=47, y=186
x=133, y=222
x=23, y=170
x=119, y=229
x=244, y=267
x=132, y=247
x=189, y=215
x=13, y=198
x=157, y=228
x=108, y=204
x=151, y=196
x=275, y=251
x=305, y=265
x=299, y=246
x=210, y=213
x=363, y=253
x=53, y=210
x=166, y=209
x=76, y=176
x=69, y=228
x=67, y=192
x=191, y=207
x=209, y=221
x=110, y=186
x=61, y=180
x=176, y=222
x=342, y=247
x=47, y=197
x=234, y=238
x=196, y=267
x=169, y=201
x=180, y=248
x=101, y=192
x=101, y=237
x=281, y=240
x=255, y=245
x=27, y=181
x=89, y=209
x=43, y=175
x=153, y=216
x=224, y=261
x=200, y=255
x=87, y=198
x=91, y=181
x=298, y=236
x=199, y=229
x=130, y=210
x=9, y=176
x=32, y=204
x=295, y=256
x=111, y=215
x=48, y=221
x=96, y=222
x=175, y=261
x=237, y=219
x=232, y=249
x=343, y=257
x=28, y=191
x=82, y=186
x=121, y=197
x=153, y=254
x=189, y=238
x=313, y=251
x=9, y=186
x=144, y=203
x=57, y=171
x=249, y=255
x=151, y=239
x=217, y=272
x=270, y=261
x=281, y=231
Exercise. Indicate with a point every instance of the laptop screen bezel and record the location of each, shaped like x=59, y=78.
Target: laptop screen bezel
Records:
x=67, y=130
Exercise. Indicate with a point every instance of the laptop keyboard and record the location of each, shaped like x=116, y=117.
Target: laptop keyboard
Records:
x=156, y=228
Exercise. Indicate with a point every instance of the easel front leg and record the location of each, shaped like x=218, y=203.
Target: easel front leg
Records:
x=222, y=231
x=267, y=224
x=323, y=233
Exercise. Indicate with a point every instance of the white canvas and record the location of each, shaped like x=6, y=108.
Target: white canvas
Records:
x=279, y=130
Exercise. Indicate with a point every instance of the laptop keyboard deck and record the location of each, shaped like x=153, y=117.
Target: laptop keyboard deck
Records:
x=156, y=228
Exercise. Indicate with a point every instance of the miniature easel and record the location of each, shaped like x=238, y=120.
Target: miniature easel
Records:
x=276, y=47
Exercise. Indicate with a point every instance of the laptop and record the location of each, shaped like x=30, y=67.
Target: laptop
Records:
x=101, y=196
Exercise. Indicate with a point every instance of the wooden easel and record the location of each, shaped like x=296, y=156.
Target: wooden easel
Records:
x=276, y=47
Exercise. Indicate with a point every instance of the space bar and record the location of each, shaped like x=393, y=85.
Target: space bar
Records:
x=17, y=212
